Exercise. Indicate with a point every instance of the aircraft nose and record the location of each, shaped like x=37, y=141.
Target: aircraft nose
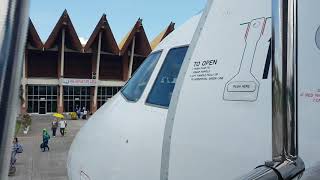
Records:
x=92, y=145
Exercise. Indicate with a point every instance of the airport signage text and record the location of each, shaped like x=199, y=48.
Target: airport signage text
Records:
x=78, y=82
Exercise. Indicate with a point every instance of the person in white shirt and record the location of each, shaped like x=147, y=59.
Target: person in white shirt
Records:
x=84, y=116
x=62, y=125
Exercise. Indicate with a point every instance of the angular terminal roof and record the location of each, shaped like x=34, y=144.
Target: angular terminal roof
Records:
x=142, y=46
x=108, y=42
x=72, y=38
x=33, y=36
x=162, y=35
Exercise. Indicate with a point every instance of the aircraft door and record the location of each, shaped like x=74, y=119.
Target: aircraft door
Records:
x=219, y=116
x=308, y=81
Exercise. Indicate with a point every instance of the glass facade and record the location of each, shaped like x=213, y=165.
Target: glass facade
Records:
x=42, y=99
x=105, y=93
x=76, y=96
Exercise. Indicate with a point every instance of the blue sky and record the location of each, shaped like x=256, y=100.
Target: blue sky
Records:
x=121, y=14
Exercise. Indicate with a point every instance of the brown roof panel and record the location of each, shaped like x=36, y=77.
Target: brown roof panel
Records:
x=108, y=43
x=142, y=44
x=64, y=22
x=33, y=36
x=129, y=36
x=162, y=35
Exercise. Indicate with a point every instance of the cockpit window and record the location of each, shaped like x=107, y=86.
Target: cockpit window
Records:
x=133, y=90
x=162, y=89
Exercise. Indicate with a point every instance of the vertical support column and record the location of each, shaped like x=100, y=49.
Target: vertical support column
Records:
x=284, y=81
x=95, y=96
x=125, y=67
x=131, y=57
x=277, y=81
x=60, y=104
x=291, y=81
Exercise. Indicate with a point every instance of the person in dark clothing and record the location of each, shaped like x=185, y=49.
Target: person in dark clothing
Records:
x=16, y=148
x=54, y=126
x=78, y=111
x=45, y=140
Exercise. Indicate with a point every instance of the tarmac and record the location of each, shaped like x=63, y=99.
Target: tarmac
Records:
x=33, y=164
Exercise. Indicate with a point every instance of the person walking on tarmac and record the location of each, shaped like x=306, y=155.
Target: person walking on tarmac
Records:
x=16, y=148
x=85, y=112
x=54, y=126
x=45, y=140
x=63, y=125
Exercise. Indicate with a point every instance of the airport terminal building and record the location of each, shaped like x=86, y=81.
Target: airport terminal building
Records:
x=62, y=74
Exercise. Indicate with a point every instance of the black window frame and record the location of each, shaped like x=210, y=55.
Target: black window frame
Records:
x=123, y=88
x=33, y=99
x=83, y=99
x=103, y=97
x=162, y=66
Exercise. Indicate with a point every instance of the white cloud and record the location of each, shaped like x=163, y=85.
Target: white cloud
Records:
x=83, y=40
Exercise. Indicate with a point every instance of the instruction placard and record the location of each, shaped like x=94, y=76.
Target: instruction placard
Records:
x=204, y=70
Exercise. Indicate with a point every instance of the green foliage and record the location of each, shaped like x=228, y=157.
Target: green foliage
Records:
x=26, y=120
x=18, y=125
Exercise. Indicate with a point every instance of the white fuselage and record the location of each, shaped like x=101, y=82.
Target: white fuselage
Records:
x=123, y=139
x=219, y=122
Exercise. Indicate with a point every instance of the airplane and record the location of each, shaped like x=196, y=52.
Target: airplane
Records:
x=214, y=106
x=204, y=104
x=131, y=121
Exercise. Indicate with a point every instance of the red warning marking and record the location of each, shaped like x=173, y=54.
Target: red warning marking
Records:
x=312, y=96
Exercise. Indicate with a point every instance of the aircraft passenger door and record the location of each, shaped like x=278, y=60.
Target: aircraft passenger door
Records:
x=219, y=118
x=309, y=82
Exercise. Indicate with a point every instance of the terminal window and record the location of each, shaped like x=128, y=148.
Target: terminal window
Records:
x=105, y=93
x=42, y=99
x=76, y=96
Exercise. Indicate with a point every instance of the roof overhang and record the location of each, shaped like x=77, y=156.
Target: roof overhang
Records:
x=33, y=38
x=162, y=35
x=142, y=44
x=64, y=23
x=108, y=42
